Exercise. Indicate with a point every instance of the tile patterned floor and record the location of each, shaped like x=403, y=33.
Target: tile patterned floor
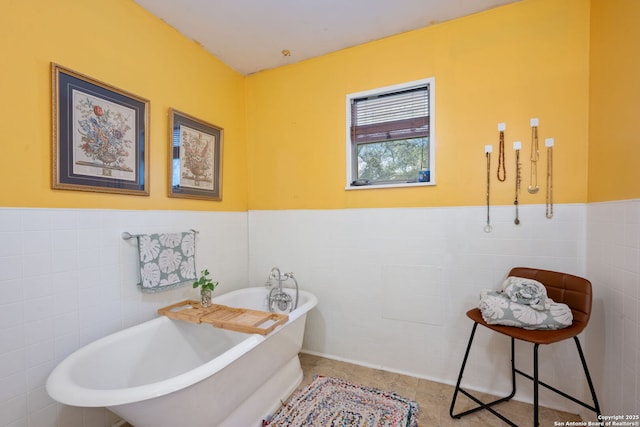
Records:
x=434, y=398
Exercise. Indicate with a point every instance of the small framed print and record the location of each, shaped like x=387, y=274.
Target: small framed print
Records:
x=195, y=157
x=100, y=136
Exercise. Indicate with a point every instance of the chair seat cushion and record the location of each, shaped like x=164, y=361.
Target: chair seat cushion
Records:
x=533, y=336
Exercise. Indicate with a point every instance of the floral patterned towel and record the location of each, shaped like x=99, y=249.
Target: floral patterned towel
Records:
x=497, y=308
x=527, y=292
x=166, y=260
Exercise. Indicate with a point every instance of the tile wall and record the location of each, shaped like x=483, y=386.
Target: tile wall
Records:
x=613, y=265
x=393, y=285
x=68, y=278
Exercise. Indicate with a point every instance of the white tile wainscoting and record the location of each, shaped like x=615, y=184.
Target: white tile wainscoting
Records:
x=393, y=286
x=68, y=278
x=613, y=338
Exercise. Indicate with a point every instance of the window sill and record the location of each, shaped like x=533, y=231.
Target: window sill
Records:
x=395, y=185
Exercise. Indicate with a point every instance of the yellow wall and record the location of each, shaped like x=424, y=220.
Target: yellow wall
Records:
x=614, y=146
x=528, y=59
x=563, y=61
x=121, y=44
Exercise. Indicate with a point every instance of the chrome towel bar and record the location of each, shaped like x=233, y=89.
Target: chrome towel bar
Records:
x=126, y=235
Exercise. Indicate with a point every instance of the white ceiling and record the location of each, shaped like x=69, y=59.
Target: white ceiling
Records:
x=251, y=35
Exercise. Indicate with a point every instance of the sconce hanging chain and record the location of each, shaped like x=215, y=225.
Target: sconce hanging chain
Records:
x=549, y=198
x=501, y=163
x=535, y=155
x=488, y=228
x=518, y=183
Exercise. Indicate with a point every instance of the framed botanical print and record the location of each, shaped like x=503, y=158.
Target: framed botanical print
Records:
x=195, y=156
x=100, y=136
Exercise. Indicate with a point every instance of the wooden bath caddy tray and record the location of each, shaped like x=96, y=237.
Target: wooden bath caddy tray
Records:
x=225, y=317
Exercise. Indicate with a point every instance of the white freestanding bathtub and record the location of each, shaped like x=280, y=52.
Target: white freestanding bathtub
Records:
x=171, y=373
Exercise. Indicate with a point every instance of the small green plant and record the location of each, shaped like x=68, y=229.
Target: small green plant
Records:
x=204, y=282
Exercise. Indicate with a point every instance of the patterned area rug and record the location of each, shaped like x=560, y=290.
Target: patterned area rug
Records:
x=332, y=402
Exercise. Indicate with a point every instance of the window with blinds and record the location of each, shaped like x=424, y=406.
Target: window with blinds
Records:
x=390, y=139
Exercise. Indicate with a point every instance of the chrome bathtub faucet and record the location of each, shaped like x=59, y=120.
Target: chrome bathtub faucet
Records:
x=278, y=299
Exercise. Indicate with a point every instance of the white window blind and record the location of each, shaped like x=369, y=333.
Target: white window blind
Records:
x=392, y=116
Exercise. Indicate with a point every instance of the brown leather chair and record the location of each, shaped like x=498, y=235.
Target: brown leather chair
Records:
x=562, y=288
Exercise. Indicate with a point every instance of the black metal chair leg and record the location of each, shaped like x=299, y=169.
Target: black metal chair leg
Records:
x=464, y=363
x=513, y=368
x=482, y=405
x=596, y=406
x=535, y=386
